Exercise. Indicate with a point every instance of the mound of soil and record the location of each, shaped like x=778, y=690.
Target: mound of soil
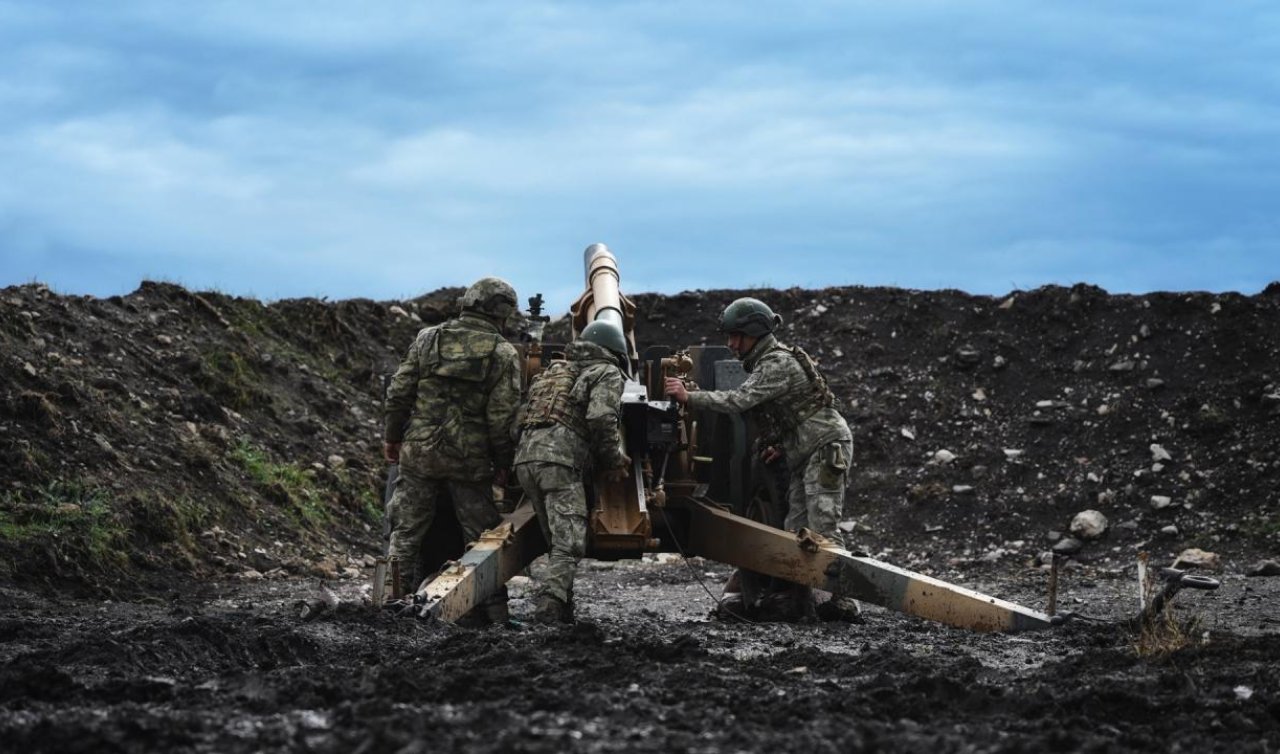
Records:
x=169, y=430
x=983, y=426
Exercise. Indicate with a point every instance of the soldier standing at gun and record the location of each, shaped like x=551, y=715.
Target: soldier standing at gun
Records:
x=449, y=411
x=570, y=426
x=795, y=411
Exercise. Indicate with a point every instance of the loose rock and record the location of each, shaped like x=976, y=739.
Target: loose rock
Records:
x=1265, y=568
x=1194, y=556
x=1089, y=524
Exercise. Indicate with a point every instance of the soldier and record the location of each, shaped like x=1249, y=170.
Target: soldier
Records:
x=569, y=428
x=449, y=411
x=795, y=412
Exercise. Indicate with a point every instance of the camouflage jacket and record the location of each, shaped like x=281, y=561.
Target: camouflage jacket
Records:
x=597, y=398
x=783, y=400
x=455, y=397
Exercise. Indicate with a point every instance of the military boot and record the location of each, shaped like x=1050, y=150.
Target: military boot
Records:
x=804, y=608
x=845, y=609
x=550, y=609
x=495, y=608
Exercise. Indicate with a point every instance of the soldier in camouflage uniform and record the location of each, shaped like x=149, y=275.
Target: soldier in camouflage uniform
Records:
x=449, y=412
x=795, y=412
x=570, y=428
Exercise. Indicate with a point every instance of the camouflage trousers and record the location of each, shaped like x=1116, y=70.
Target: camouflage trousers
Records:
x=815, y=497
x=413, y=508
x=561, y=504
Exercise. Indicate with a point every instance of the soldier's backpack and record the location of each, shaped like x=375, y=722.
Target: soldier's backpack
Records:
x=551, y=399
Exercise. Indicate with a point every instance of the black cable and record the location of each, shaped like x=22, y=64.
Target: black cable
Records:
x=696, y=576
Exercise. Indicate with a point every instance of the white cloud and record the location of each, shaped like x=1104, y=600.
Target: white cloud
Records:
x=129, y=154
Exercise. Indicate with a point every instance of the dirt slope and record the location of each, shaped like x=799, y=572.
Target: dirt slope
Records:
x=1047, y=403
x=169, y=429
x=172, y=430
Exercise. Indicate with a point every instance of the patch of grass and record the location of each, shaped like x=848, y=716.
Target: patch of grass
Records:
x=227, y=377
x=245, y=316
x=1163, y=634
x=75, y=520
x=166, y=520
x=371, y=506
x=285, y=483
x=25, y=461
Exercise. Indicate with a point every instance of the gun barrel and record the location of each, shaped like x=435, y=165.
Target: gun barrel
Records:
x=604, y=282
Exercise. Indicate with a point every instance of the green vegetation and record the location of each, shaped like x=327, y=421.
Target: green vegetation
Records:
x=371, y=506
x=169, y=520
x=245, y=315
x=27, y=460
x=252, y=319
x=283, y=482
x=74, y=520
x=228, y=378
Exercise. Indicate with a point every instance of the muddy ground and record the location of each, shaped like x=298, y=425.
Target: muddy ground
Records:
x=232, y=668
x=177, y=468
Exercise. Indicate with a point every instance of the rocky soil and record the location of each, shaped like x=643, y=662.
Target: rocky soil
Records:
x=983, y=426
x=231, y=668
x=176, y=468
x=164, y=433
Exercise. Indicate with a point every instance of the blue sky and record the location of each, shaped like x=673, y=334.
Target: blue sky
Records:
x=281, y=149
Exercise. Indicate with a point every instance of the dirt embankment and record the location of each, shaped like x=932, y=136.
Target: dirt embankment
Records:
x=169, y=431
x=983, y=425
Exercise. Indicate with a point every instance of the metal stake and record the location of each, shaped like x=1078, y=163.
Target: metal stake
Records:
x=1055, y=559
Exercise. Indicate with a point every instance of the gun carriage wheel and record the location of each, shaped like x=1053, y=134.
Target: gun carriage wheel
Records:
x=766, y=504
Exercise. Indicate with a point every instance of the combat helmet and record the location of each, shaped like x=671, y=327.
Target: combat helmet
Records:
x=492, y=297
x=606, y=335
x=749, y=316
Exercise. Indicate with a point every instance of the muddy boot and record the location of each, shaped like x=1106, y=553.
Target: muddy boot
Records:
x=843, y=609
x=550, y=609
x=495, y=608
x=803, y=606
x=777, y=605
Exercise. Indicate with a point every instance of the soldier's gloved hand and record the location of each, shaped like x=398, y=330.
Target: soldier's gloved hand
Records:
x=770, y=454
x=391, y=452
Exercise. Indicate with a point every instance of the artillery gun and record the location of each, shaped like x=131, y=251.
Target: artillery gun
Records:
x=694, y=489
